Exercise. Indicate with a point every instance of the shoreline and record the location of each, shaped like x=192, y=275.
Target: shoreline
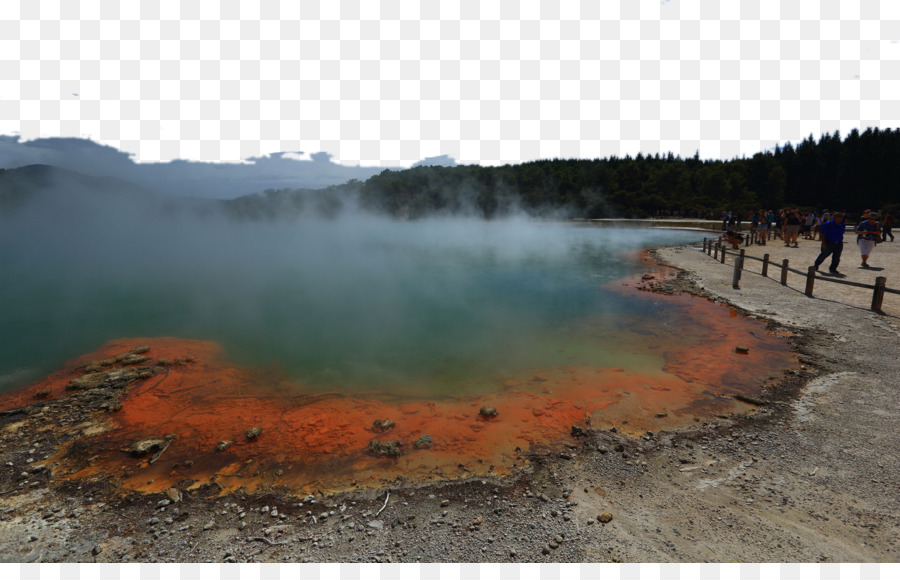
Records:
x=811, y=477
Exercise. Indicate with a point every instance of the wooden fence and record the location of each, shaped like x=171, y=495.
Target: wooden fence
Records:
x=716, y=249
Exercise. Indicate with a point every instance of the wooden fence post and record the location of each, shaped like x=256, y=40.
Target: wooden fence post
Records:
x=765, y=270
x=810, y=280
x=716, y=254
x=784, y=272
x=738, y=266
x=723, y=253
x=704, y=245
x=878, y=293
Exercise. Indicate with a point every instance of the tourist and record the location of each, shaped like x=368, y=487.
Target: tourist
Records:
x=817, y=227
x=832, y=242
x=807, y=226
x=763, y=227
x=886, y=225
x=754, y=225
x=867, y=236
x=792, y=227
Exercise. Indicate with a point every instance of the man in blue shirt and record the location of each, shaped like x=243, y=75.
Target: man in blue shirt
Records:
x=832, y=242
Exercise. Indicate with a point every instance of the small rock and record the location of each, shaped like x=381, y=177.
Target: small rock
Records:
x=423, y=442
x=222, y=445
x=552, y=545
x=254, y=432
x=558, y=539
x=173, y=494
x=605, y=518
x=742, y=350
x=208, y=525
x=445, y=502
x=382, y=425
x=488, y=412
x=384, y=448
x=376, y=524
x=577, y=431
x=96, y=550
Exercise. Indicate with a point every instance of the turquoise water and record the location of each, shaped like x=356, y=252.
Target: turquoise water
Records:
x=347, y=304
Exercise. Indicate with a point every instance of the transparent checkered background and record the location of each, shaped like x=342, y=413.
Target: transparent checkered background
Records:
x=391, y=82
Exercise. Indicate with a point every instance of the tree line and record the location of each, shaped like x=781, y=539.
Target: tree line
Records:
x=854, y=173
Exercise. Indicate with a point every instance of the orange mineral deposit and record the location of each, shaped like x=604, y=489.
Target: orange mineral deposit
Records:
x=228, y=428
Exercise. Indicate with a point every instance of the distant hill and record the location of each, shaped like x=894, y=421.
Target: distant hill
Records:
x=22, y=184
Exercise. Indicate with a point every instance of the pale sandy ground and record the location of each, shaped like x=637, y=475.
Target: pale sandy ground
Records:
x=813, y=476
x=885, y=261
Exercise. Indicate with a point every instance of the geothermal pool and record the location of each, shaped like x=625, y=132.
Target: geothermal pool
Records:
x=350, y=305
x=313, y=330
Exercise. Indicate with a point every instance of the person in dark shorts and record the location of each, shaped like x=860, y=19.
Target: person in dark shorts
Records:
x=792, y=227
x=887, y=224
x=832, y=242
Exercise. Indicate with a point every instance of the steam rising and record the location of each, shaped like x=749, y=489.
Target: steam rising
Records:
x=338, y=304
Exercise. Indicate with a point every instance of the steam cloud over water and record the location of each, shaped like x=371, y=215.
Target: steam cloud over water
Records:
x=351, y=303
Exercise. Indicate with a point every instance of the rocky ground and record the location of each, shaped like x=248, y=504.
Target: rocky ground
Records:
x=811, y=477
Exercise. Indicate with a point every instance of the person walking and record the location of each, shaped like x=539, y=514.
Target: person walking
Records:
x=792, y=229
x=763, y=227
x=832, y=242
x=868, y=234
x=887, y=224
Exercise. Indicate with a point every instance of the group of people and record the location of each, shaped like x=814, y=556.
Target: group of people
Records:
x=869, y=233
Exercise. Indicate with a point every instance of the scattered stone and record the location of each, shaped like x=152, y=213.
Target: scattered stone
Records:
x=173, y=494
x=222, y=445
x=661, y=415
x=742, y=350
x=445, y=502
x=115, y=378
x=376, y=525
x=552, y=545
x=134, y=359
x=619, y=448
x=423, y=442
x=605, y=518
x=558, y=539
x=96, y=550
x=208, y=525
x=578, y=431
x=384, y=448
x=488, y=412
x=42, y=394
x=382, y=425
x=602, y=450
x=145, y=446
x=254, y=432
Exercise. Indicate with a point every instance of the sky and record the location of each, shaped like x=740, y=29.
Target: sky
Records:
x=389, y=83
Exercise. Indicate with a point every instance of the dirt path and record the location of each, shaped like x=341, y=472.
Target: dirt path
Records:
x=812, y=476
